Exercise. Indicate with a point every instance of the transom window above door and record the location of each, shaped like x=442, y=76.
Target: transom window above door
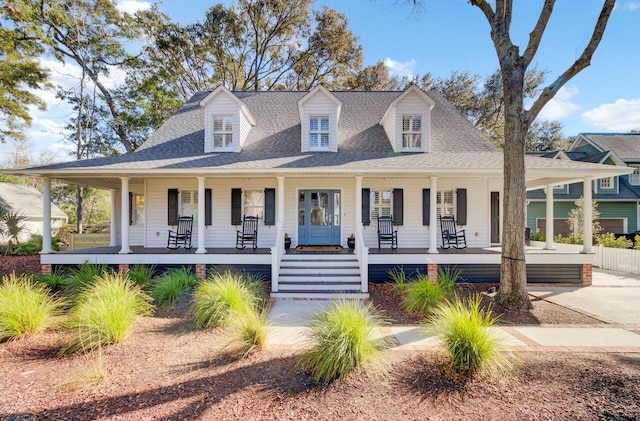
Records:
x=411, y=132
x=319, y=132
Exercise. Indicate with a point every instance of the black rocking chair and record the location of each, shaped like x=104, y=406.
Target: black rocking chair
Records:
x=249, y=232
x=386, y=233
x=182, y=235
x=451, y=236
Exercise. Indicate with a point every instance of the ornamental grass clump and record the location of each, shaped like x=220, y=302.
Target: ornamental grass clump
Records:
x=249, y=330
x=106, y=311
x=342, y=338
x=83, y=276
x=166, y=290
x=224, y=296
x=142, y=274
x=464, y=328
x=26, y=307
x=421, y=295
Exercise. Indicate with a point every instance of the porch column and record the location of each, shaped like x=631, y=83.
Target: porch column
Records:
x=358, y=201
x=124, y=217
x=201, y=217
x=433, y=216
x=548, y=235
x=280, y=207
x=46, y=216
x=114, y=220
x=588, y=216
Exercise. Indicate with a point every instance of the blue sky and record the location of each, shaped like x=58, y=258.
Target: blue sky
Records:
x=451, y=35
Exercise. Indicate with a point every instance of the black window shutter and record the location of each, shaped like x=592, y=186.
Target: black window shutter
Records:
x=172, y=207
x=366, y=203
x=207, y=207
x=236, y=206
x=426, y=206
x=461, y=203
x=131, y=204
x=398, y=206
x=269, y=206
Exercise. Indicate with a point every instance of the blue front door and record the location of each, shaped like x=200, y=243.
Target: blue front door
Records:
x=318, y=217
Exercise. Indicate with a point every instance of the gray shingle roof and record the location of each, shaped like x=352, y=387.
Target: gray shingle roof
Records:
x=626, y=192
x=625, y=145
x=26, y=200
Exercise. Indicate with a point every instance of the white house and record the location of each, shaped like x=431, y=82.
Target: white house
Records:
x=319, y=166
x=27, y=201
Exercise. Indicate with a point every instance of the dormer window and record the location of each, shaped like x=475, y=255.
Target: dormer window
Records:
x=319, y=132
x=222, y=132
x=411, y=132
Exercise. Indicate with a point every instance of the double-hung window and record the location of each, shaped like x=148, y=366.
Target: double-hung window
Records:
x=411, y=132
x=380, y=204
x=634, y=178
x=319, y=132
x=445, y=203
x=222, y=132
x=253, y=203
x=189, y=203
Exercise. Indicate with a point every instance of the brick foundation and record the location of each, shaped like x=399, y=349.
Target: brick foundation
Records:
x=432, y=272
x=45, y=268
x=123, y=267
x=201, y=271
x=586, y=274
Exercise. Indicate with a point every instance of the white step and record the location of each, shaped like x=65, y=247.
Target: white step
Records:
x=319, y=287
x=318, y=257
x=310, y=271
x=319, y=278
x=318, y=263
x=305, y=295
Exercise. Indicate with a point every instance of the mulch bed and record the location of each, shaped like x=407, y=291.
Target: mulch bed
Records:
x=19, y=264
x=387, y=300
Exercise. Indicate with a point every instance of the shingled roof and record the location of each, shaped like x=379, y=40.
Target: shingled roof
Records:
x=625, y=145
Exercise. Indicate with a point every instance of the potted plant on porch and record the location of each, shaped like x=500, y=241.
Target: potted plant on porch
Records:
x=287, y=241
x=351, y=242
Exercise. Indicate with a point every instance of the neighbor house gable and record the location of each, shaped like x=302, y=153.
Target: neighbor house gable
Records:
x=583, y=144
x=227, y=121
x=319, y=112
x=407, y=121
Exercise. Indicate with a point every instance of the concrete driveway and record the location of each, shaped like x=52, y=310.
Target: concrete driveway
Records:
x=612, y=297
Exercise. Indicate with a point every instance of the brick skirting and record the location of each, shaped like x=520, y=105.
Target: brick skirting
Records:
x=432, y=272
x=46, y=269
x=586, y=274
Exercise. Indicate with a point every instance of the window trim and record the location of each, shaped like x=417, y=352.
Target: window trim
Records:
x=222, y=132
x=320, y=132
x=404, y=132
x=374, y=206
x=261, y=215
x=612, y=186
x=439, y=202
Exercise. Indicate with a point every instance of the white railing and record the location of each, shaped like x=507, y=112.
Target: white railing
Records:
x=277, y=252
x=362, y=254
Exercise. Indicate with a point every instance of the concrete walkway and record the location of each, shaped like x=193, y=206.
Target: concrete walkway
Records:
x=613, y=298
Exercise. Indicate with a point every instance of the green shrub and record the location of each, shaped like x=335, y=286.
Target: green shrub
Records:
x=610, y=240
x=171, y=285
x=571, y=239
x=448, y=278
x=34, y=245
x=464, y=329
x=84, y=276
x=25, y=307
x=342, y=342
x=537, y=235
x=223, y=296
x=57, y=280
x=142, y=274
x=399, y=277
x=421, y=295
x=106, y=311
x=636, y=241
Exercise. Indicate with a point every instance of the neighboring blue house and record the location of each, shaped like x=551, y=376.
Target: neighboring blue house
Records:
x=618, y=197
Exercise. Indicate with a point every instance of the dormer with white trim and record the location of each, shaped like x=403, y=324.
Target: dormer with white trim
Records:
x=319, y=112
x=407, y=121
x=227, y=121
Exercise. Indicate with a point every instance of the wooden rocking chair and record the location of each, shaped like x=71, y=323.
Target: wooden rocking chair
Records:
x=182, y=235
x=249, y=233
x=386, y=233
x=451, y=236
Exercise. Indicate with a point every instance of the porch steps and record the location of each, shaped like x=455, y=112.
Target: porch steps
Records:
x=319, y=276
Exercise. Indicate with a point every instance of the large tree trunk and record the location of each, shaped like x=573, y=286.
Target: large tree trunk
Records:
x=513, y=271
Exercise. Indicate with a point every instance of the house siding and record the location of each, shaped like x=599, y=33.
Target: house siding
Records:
x=586, y=148
x=412, y=104
x=222, y=105
x=320, y=105
x=628, y=210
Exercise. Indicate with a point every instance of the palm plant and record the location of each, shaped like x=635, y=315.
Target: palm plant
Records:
x=11, y=226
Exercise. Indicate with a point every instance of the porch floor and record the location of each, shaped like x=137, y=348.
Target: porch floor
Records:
x=164, y=250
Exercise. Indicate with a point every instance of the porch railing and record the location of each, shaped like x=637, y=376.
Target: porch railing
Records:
x=362, y=254
x=277, y=252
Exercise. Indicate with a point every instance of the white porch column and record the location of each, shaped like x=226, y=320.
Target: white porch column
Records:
x=358, y=201
x=588, y=216
x=548, y=235
x=46, y=216
x=280, y=196
x=201, y=217
x=433, y=216
x=124, y=217
x=114, y=220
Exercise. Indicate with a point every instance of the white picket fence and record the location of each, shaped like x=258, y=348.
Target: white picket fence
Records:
x=618, y=260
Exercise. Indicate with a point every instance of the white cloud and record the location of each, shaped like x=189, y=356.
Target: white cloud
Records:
x=631, y=6
x=560, y=106
x=620, y=116
x=132, y=6
x=397, y=68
